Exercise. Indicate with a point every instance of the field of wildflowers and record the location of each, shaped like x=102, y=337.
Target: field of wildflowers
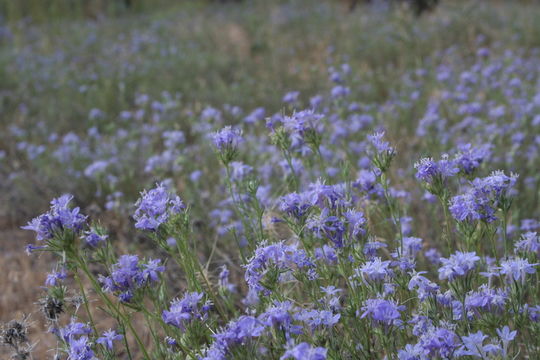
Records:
x=273, y=181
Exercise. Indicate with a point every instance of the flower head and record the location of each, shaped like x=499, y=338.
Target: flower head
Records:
x=59, y=218
x=93, y=238
x=128, y=275
x=226, y=142
x=155, y=207
x=79, y=349
x=382, y=311
x=108, y=338
x=459, y=264
x=430, y=171
x=183, y=311
x=305, y=351
x=516, y=269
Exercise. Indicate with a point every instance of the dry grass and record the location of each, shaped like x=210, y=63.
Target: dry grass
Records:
x=22, y=286
x=21, y=283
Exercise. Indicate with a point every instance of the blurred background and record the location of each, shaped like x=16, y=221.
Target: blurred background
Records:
x=78, y=76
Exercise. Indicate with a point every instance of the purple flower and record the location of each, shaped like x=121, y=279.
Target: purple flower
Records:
x=367, y=183
x=533, y=312
x=129, y=275
x=326, y=226
x=381, y=146
x=429, y=171
x=438, y=342
x=96, y=168
x=470, y=158
x=302, y=125
x=466, y=208
x=383, y=311
x=506, y=337
x=93, y=239
x=497, y=184
x=375, y=270
x=326, y=253
x=280, y=256
x=356, y=222
x=255, y=116
x=481, y=200
x=473, y=346
x=108, y=338
x=324, y=195
x=371, y=247
x=411, y=247
x=383, y=154
x=223, y=280
x=530, y=242
x=317, y=318
x=424, y=286
x=411, y=352
x=291, y=97
x=79, y=349
x=517, y=269
x=55, y=277
x=73, y=329
x=59, y=218
x=486, y=299
x=296, y=205
x=171, y=342
x=459, y=264
x=239, y=170
x=237, y=331
x=316, y=101
x=151, y=269
x=155, y=207
x=182, y=312
x=305, y=351
x=227, y=139
x=279, y=314
x=340, y=91
x=173, y=138
x=529, y=224
x=433, y=255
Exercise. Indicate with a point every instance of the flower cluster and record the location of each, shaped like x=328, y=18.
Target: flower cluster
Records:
x=155, y=207
x=183, y=311
x=59, y=218
x=129, y=274
x=483, y=198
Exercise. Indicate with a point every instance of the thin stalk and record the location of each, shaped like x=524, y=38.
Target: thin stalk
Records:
x=111, y=306
x=85, y=298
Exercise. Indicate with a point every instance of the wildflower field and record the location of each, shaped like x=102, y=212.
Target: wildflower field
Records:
x=270, y=180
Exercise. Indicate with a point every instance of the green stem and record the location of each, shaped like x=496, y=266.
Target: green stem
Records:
x=85, y=299
x=447, y=232
x=113, y=308
x=504, y=230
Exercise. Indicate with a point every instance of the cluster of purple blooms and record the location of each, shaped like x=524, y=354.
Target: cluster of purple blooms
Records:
x=278, y=315
x=226, y=142
x=79, y=346
x=382, y=311
x=59, y=218
x=428, y=170
x=185, y=310
x=155, y=207
x=483, y=198
x=467, y=160
x=130, y=274
x=457, y=265
x=276, y=256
